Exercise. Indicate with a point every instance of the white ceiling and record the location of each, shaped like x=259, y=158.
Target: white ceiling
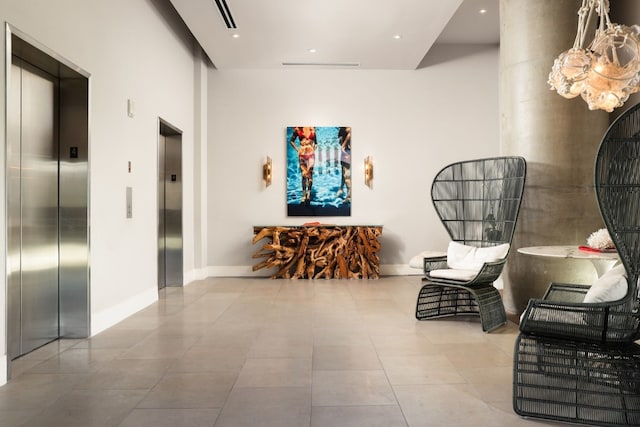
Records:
x=344, y=33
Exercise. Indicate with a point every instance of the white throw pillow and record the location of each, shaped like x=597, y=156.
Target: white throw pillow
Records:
x=612, y=286
x=463, y=257
x=418, y=260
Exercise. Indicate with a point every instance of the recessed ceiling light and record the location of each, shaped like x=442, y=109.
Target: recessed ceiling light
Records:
x=482, y=11
x=312, y=50
x=235, y=35
x=397, y=36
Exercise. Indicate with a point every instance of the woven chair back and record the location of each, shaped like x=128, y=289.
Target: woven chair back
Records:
x=617, y=181
x=478, y=200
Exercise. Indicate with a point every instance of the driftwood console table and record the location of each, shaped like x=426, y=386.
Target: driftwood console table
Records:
x=322, y=251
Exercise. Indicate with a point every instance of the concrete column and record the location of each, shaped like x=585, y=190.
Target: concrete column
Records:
x=625, y=12
x=559, y=139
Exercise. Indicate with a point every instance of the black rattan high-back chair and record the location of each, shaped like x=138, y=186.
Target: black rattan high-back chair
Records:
x=478, y=203
x=574, y=361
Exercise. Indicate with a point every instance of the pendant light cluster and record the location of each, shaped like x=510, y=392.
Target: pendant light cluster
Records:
x=606, y=72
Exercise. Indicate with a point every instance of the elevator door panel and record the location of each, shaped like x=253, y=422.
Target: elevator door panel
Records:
x=14, y=336
x=173, y=211
x=38, y=209
x=170, y=253
x=162, y=280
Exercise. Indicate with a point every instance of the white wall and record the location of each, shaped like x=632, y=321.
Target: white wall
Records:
x=411, y=122
x=132, y=52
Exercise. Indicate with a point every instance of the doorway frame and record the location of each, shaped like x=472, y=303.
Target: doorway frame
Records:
x=78, y=325
x=165, y=128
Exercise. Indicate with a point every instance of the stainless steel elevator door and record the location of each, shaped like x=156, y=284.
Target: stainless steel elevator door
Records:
x=33, y=209
x=162, y=280
x=170, y=263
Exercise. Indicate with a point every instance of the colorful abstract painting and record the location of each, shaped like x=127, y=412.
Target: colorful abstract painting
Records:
x=318, y=171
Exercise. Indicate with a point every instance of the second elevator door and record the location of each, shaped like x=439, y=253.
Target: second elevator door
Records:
x=169, y=207
x=33, y=239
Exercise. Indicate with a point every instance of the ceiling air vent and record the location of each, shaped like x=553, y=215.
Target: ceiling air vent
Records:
x=321, y=64
x=223, y=7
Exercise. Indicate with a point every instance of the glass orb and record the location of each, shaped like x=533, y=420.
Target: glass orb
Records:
x=618, y=53
x=602, y=100
x=569, y=71
x=615, y=70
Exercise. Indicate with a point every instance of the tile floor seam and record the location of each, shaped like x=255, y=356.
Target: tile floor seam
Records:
x=395, y=395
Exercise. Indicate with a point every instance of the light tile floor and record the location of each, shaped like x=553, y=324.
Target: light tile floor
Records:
x=257, y=352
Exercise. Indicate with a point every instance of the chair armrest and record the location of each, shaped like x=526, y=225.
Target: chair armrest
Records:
x=489, y=273
x=566, y=292
x=562, y=314
x=435, y=263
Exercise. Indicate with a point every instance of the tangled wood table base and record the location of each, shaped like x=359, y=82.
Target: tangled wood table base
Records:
x=325, y=251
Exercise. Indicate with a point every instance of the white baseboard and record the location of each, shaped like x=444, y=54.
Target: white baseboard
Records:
x=195, y=274
x=246, y=271
x=399, y=270
x=236, y=271
x=109, y=317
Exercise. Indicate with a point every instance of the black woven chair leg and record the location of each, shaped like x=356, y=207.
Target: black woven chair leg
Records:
x=443, y=300
x=576, y=382
x=491, y=307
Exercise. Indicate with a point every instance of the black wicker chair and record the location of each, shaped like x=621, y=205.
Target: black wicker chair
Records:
x=478, y=203
x=578, y=362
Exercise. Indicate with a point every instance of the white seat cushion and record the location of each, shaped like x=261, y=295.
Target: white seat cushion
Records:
x=418, y=260
x=455, y=274
x=612, y=286
x=463, y=257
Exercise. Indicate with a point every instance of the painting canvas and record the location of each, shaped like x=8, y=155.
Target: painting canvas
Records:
x=318, y=170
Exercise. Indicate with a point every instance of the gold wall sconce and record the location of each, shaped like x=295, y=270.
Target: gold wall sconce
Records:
x=267, y=171
x=368, y=171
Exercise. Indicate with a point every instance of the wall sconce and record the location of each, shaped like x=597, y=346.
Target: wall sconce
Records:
x=267, y=171
x=368, y=171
